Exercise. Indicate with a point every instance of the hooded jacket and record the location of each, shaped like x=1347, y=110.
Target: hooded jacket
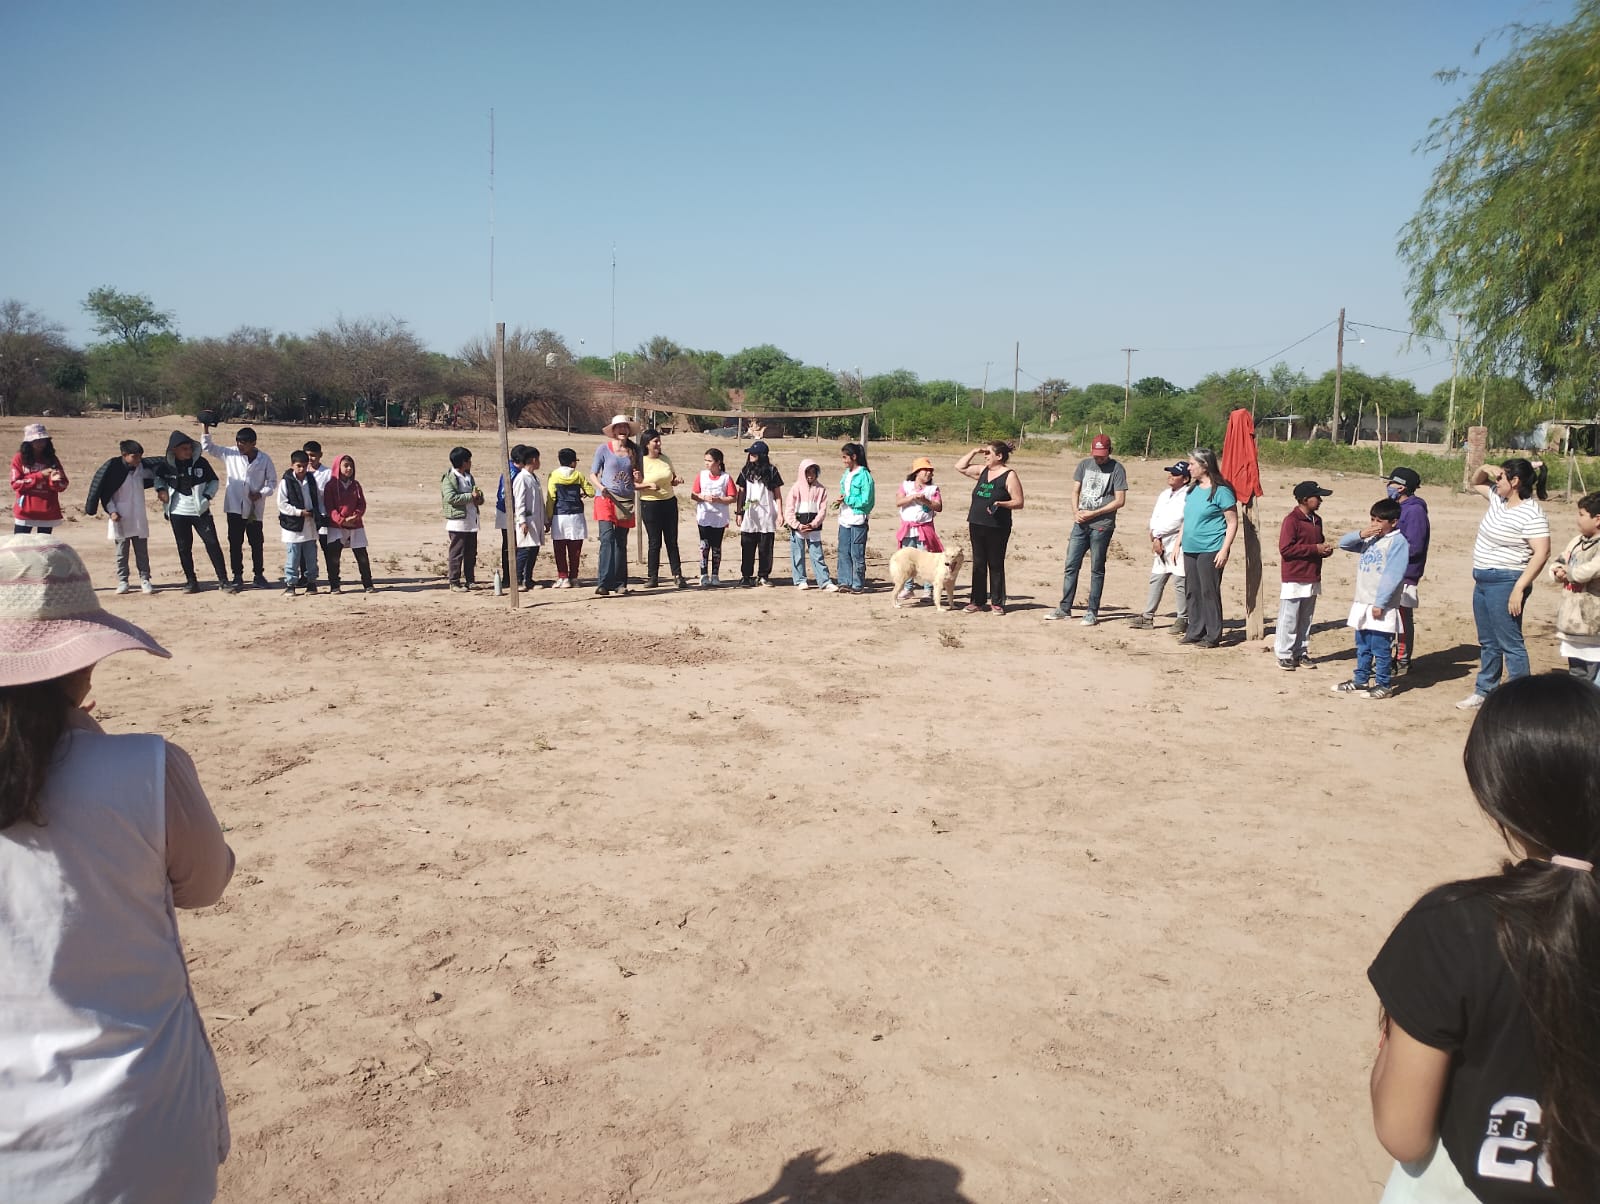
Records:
x=344, y=501
x=566, y=488
x=1579, y=612
x=808, y=500
x=196, y=478
x=110, y=477
x=1414, y=525
x=38, y=496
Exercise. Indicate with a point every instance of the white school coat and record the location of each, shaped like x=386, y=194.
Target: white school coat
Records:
x=527, y=505
x=292, y=506
x=126, y=516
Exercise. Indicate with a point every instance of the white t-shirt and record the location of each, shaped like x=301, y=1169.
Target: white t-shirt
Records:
x=709, y=514
x=1504, y=533
x=918, y=511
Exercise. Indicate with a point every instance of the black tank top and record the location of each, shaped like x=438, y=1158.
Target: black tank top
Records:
x=984, y=494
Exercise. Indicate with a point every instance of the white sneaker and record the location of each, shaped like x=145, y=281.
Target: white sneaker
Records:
x=802, y=585
x=122, y=587
x=145, y=587
x=1470, y=703
x=831, y=588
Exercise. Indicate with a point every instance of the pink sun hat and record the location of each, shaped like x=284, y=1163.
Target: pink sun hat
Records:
x=51, y=622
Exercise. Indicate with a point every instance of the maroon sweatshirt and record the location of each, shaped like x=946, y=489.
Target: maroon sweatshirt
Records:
x=1298, y=541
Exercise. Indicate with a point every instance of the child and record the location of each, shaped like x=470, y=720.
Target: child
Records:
x=803, y=513
x=857, y=495
x=1375, y=613
x=919, y=501
x=345, y=504
x=1302, y=550
x=460, y=498
x=713, y=493
x=757, y=502
x=527, y=508
x=502, y=522
x=1486, y=1084
x=299, y=516
x=186, y=483
x=566, y=489
x=322, y=474
x=119, y=486
x=1578, y=571
x=38, y=481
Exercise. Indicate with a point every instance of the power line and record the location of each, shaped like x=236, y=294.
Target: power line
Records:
x=1292, y=345
x=1415, y=334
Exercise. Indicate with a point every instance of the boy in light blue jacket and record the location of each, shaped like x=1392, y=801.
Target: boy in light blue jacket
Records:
x=1375, y=613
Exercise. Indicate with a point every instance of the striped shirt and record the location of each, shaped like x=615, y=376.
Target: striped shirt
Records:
x=1504, y=533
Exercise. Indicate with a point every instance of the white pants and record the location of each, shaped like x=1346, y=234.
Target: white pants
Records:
x=1434, y=1180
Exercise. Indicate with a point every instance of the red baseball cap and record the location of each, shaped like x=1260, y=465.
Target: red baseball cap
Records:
x=1101, y=443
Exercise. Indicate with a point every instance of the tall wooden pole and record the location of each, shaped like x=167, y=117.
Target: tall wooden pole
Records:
x=1450, y=422
x=505, y=451
x=1127, y=379
x=1016, y=367
x=1338, y=379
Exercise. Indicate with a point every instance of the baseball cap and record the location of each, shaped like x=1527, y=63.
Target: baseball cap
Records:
x=1180, y=469
x=758, y=448
x=1101, y=443
x=1407, y=477
x=1307, y=489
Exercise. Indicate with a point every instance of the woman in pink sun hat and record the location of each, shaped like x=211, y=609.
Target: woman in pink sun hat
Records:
x=108, y=1086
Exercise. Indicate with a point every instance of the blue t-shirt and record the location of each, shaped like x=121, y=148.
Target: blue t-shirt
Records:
x=1204, y=524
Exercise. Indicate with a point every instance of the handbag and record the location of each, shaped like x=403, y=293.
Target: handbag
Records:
x=623, y=506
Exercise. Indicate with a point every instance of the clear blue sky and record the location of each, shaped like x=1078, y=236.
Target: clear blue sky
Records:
x=874, y=184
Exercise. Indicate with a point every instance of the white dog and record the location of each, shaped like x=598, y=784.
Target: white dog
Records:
x=941, y=568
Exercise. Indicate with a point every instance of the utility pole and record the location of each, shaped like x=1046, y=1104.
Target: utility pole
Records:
x=1127, y=379
x=616, y=367
x=1016, y=365
x=1338, y=378
x=985, y=398
x=1450, y=422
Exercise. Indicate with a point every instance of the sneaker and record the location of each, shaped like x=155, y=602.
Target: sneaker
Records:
x=1089, y=620
x=997, y=610
x=457, y=588
x=334, y=589
x=971, y=608
x=1141, y=622
x=682, y=582
x=716, y=580
x=1285, y=663
x=906, y=591
x=763, y=583
x=261, y=582
x=311, y=589
x=369, y=589
x=238, y=584
x=1401, y=668
x=1180, y=627
x=191, y=587
x=831, y=588
x=147, y=586
x=652, y=582
x=747, y=582
x=1058, y=613
x=601, y=592
x=1381, y=692
x=288, y=591
x=1305, y=662
x=802, y=584
x=705, y=580
x=122, y=587
x=1350, y=687
x=1470, y=703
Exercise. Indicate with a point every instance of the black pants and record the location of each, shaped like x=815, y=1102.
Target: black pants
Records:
x=1203, y=581
x=463, y=557
x=751, y=543
x=333, y=550
x=711, y=549
x=184, y=527
x=237, y=530
x=988, y=564
x=661, y=525
x=505, y=555
x=330, y=556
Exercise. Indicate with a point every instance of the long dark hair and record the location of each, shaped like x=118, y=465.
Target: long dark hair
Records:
x=1534, y=766
x=858, y=452
x=716, y=454
x=43, y=459
x=1212, y=468
x=1529, y=482
x=32, y=718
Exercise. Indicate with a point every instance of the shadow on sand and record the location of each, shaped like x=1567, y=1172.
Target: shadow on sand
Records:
x=889, y=1178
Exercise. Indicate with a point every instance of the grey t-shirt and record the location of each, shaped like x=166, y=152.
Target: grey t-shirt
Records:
x=1099, y=483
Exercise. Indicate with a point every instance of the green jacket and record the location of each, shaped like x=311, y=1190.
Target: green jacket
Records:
x=453, y=501
x=860, y=493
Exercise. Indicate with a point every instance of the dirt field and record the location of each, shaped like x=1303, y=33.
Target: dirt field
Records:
x=770, y=896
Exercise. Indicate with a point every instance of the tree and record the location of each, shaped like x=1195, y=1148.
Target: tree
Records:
x=878, y=391
x=247, y=366
x=541, y=377
x=1508, y=232
x=742, y=369
x=139, y=339
x=1155, y=386
x=32, y=350
x=130, y=318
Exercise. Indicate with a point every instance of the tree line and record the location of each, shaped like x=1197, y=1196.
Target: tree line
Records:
x=377, y=367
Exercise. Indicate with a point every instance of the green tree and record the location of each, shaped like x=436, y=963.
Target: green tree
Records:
x=1508, y=231
x=877, y=391
x=130, y=318
x=796, y=387
x=139, y=338
x=1155, y=386
x=32, y=351
x=742, y=369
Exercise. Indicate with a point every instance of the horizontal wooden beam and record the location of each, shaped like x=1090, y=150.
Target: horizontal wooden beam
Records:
x=796, y=415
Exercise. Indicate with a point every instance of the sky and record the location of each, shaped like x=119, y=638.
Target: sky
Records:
x=871, y=185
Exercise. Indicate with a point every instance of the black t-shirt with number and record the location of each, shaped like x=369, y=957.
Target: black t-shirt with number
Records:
x=1442, y=979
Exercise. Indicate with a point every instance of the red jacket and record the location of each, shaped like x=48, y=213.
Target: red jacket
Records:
x=1298, y=541
x=38, y=497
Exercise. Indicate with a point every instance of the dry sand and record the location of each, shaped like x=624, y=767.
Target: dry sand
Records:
x=778, y=896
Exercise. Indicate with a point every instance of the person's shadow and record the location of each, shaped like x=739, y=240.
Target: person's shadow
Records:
x=889, y=1178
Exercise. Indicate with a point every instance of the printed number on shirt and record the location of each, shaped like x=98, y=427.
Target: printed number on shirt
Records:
x=1499, y=1155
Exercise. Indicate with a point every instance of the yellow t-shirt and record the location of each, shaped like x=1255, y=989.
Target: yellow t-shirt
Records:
x=657, y=485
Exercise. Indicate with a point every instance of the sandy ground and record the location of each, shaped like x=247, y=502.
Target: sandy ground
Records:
x=778, y=896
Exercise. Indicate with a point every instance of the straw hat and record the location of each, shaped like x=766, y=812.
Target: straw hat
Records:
x=617, y=420
x=51, y=623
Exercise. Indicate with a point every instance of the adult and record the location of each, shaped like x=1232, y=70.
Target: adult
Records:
x=658, y=509
x=1512, y=545
x=1099, y=490
x=108, y=1087
x=1210, y=523
x=1166, y=527
x=997, y=493
x=857, y=495
x=251, y=481
x=186, y=483
x=616, y=476
x=38, y=480
x=1415, y=526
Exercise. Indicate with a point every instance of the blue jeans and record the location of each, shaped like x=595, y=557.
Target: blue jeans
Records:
x=1094, y=538
x=1372, y=658
x=853, y=557
x=1499, y=634
x=613, y=556
x=300, y=564
x=797, y=559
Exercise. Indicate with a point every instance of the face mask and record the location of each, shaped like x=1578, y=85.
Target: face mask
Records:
x=1394, y=492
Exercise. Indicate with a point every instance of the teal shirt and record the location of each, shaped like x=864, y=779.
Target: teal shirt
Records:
x=1205, y=524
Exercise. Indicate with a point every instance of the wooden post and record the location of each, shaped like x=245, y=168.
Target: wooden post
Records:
x=505, y=449
x=1016, y=368
x=1477, y=452
x=865, y=418
x=1378, y=411
x=1254, y=626
x=1148, y=432
x=1338, y=382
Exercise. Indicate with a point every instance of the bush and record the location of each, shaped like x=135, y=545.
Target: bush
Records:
x=1337, y=457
